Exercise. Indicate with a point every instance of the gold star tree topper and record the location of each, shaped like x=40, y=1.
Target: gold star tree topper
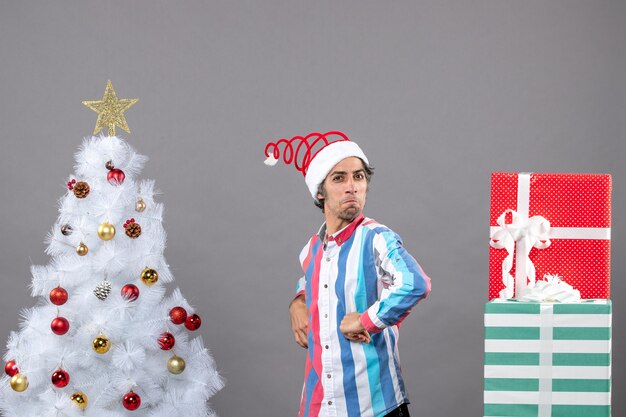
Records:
x=111, y=110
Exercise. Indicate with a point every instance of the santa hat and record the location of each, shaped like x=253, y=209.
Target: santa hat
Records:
x=314, y=155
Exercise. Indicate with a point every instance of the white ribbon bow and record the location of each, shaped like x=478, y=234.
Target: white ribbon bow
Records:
x=550, y=289
x=527, y=233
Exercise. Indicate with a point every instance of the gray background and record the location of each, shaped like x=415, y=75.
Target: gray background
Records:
x=438, y=94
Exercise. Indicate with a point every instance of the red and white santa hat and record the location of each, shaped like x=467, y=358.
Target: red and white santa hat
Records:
x=314, y=155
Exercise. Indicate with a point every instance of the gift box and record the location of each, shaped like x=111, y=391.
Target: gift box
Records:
x=547, y=359
x=550, y=224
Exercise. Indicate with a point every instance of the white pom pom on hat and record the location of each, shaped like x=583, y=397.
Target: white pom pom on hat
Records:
x=314, y=155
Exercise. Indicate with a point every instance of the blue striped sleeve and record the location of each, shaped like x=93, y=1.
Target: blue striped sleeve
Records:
x=301, y=286
x=403, y=280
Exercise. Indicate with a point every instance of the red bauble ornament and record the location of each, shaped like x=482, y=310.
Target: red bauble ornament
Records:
x=130, y=292
x=60, y=325
x=116, y=176
x=166, y=341
x=58, y=296
x=193, y=322
x=11, y=368
x=131, y=401
x=178, y=315
x=60, y=378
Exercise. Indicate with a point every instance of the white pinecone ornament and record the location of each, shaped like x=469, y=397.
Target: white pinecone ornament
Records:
x=103, y=290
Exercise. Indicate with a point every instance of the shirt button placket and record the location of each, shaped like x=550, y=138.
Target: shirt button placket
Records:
x=324, y=308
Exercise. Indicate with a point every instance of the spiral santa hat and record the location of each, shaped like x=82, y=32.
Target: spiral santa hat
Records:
x=314, y=155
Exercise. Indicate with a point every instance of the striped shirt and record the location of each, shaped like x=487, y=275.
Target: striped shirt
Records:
x=362, y=268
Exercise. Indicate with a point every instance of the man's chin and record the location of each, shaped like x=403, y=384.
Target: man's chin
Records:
x=350, y=213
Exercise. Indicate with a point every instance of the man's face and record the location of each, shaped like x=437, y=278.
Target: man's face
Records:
x=345, y=189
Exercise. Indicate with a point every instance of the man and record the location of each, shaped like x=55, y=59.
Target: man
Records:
x=359, y=283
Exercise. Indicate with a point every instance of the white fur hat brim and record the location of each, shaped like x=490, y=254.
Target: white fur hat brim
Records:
x=326, y=159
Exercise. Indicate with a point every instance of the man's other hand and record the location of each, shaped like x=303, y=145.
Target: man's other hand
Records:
x=352, y=328
x=299, y=320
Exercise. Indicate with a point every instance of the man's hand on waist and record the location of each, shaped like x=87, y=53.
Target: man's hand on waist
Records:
x=352, y=328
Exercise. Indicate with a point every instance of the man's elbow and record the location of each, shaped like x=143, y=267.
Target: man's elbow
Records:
x=420, y=288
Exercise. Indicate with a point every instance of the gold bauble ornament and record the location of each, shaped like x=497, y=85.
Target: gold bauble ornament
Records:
x=80, y=399
x=149, y=276
x=101, y=344
x=82, y=249
x=19, y=382
x=140, y=205
x=106, y=231
x=176, y=365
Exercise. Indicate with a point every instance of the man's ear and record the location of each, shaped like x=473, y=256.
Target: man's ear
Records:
x=320, y=196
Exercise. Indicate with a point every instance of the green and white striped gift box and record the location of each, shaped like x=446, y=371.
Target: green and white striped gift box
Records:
x=547, y=359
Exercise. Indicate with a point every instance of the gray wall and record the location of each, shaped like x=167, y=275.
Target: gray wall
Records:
x=438, y=94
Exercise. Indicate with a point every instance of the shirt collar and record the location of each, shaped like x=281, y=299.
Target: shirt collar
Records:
x=344, y=234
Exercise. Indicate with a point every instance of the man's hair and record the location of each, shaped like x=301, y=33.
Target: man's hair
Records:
x=369, y=171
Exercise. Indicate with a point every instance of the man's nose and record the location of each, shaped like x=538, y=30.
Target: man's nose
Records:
x=351, y=186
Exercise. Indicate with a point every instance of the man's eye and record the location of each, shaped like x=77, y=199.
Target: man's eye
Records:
x=359, y=176
x=337, y=178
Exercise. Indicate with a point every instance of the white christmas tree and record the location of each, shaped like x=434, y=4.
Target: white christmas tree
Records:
x=104, y=340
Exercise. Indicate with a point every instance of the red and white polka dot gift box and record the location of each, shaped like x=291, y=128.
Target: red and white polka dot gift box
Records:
x=557, y=224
